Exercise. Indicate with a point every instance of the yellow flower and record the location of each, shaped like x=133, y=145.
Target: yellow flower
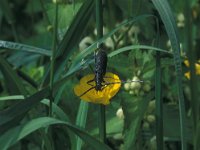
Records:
x=197, y=68
x=101, y=97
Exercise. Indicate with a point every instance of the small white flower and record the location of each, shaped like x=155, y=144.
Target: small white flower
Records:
x=85, y=42
x=135, y=85
x=151, y=118
x=133, y=30
x=109, y=43
x=120, y=113
x=180, y=17
x=105, y=31
x=127, y=86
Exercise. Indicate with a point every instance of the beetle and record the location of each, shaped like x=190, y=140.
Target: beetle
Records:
x=100, y=71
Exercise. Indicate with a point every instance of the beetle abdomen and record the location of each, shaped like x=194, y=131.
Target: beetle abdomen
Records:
x=100, y=68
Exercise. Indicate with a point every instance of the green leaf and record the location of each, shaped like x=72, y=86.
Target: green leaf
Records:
x=71, y=38
x=24, y=47
x=78, y=59
x=13, y=82
x=11, y=116
x=13, y=97
x=81, y=120
x=17, y=133
x=165, y=12
x=135, y=47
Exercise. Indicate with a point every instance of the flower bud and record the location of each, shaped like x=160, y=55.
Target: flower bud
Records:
x=120, y=113
x=151, y=118
x=131, y=92
x=151, y=106
x=145, y=125
x=49, y=28
x=135, y=85
x=127, y=86
x=85, y=42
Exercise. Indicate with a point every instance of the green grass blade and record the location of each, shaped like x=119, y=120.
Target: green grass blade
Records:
x=58, y=112
x=92, y=47
x=165, y=12
x=72, y=37
x=81, y=120
x=24, y=47
x=136, y=47
x=102, y=109
x=13, y=82
x=16, y=134
x=11, y=116
x=13, y=97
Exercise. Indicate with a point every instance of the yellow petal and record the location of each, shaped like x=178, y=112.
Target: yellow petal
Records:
x=187, y=75
x=186, y=62
x=197, y=67
x=86, y=88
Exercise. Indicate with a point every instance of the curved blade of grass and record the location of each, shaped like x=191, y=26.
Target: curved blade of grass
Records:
x=81, y=120
x=71, y=38
x=11, y=116
x=92, y=47
x=132, y=47
x=165, y=12
x=62, y=116
x=16, y=134
x=24, y=47
x=13, y=97
x=13, y=82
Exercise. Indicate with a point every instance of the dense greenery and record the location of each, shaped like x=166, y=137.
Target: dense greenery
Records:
x=46, y=47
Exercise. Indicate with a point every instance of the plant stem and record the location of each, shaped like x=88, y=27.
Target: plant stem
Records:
x=99, y=26
x=53, y=57
x=102, y=123
x=159, y=105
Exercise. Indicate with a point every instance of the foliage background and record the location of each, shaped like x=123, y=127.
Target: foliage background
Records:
x=27, y=37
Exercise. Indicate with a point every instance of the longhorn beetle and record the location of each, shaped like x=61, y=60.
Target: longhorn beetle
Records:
x=100, y=71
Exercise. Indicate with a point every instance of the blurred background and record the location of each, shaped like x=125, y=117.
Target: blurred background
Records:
x=27, y=39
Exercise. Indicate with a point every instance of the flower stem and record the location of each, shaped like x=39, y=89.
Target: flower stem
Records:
x=53, y=58
x=102, y=123
x=99, y=26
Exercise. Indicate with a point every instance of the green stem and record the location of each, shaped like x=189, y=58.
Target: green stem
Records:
x=99, y=19
x=159, y=104
x=102, y=123
x=53, y=57
x=99, y=26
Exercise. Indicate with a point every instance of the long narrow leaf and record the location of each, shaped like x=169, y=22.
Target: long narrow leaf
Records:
x=166, y=15
x=13, y=82
x=24, y=47
x=72, y=37
x=16, y=134
x=81, y=120
x=11, y=116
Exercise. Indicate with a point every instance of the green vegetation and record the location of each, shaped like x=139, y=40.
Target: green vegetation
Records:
x=46, y=47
